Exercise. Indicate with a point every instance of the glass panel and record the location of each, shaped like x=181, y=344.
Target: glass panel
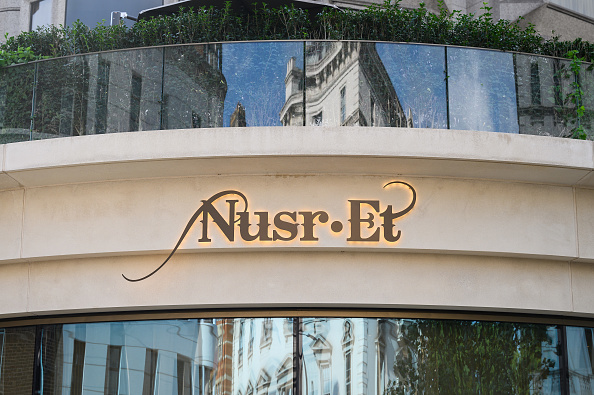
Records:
x=93, y=12
x=16, y=97
x=194, y=87
x=586, y=81
x=543, y=86
x=243, y=84
x=580, y=354
x=174, y=357
x=106, y=93
x=17, y=351
x=264, y=81
x=417, y=73
x=348, y=84
x=482, y=93
x=386, y=356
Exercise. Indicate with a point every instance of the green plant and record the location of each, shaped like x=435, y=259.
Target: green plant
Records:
x=19, y=55
x=576, y=95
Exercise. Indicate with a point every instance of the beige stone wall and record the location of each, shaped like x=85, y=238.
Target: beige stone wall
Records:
x=501, y=222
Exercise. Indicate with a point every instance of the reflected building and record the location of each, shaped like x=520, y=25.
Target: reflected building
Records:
x=346, y=84
x=122, y=91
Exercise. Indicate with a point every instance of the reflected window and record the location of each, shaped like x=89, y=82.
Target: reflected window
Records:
x=78, y=367
x=342, y=105
x=240, y=342
x=112, y=370
x=251, y=341
x=41, y=13
x=347, y=372
x=135, y=95
x=317, y=119
x=263, y=383
x=266, y=339
x=535, y=83
x=101, y=96
x=326, y=378
x=284, y=377
x=184, y=375
x=150, y=371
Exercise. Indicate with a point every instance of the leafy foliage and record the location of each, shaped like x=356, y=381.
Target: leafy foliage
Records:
x=470, y=357
x=387, y=22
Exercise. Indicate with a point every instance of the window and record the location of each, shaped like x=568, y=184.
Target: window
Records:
x=135, y=95
x=535, y=84
x=196, y=120
x=342, y=104
x=266, y=339
x=78, y=366
x=251, y=341
x=184, y=375
x=112, y=370
x=204, y=375
x=150, y=371
x=373, y=112
x=41, y=13
x=101, y=96
x=317, y=119
x=326, y=378
x=240, y=341
x=347, y=372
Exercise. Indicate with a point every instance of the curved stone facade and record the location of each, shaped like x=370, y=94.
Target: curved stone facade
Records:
x=499, y=222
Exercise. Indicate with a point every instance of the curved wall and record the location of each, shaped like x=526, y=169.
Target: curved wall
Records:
x=500, y=222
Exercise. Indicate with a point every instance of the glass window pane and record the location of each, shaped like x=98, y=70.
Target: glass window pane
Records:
x=580, y=355
x=380, y=356
x=543, y=85
x=17, y=352
x=417, y=73
x=481, y=88
x=16, y=97
x=243, y=84
x=353, y=84
x=196, y=357
x=101, y=93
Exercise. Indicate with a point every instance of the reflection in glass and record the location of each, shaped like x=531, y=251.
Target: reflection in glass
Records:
x=543, y=85
x=417, y=73
x=388, y=356
x=173, y=357
x=101, y=93
x=17, y=352
x=264, y=82
x=580, y=355
x=348, y=85
x=194, y=87
x=481, y=87
x=16, y=96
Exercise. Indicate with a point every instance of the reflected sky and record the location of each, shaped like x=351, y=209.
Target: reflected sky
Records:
x=482, y=90
x=417, y=73
x=255, y=75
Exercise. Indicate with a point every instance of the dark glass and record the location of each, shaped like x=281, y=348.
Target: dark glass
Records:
x=194, y=87
x=481, y=90
x=417, y=73
x=17, y=352
x=586, y=81
x=101, y=93
x=16, y=99
x=387, y=356
x=580, y=355
x=544, y=105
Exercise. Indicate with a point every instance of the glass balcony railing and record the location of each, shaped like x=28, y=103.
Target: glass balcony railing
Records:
x=293, y=83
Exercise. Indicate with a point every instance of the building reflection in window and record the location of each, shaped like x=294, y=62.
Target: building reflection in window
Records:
x=339, y=356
